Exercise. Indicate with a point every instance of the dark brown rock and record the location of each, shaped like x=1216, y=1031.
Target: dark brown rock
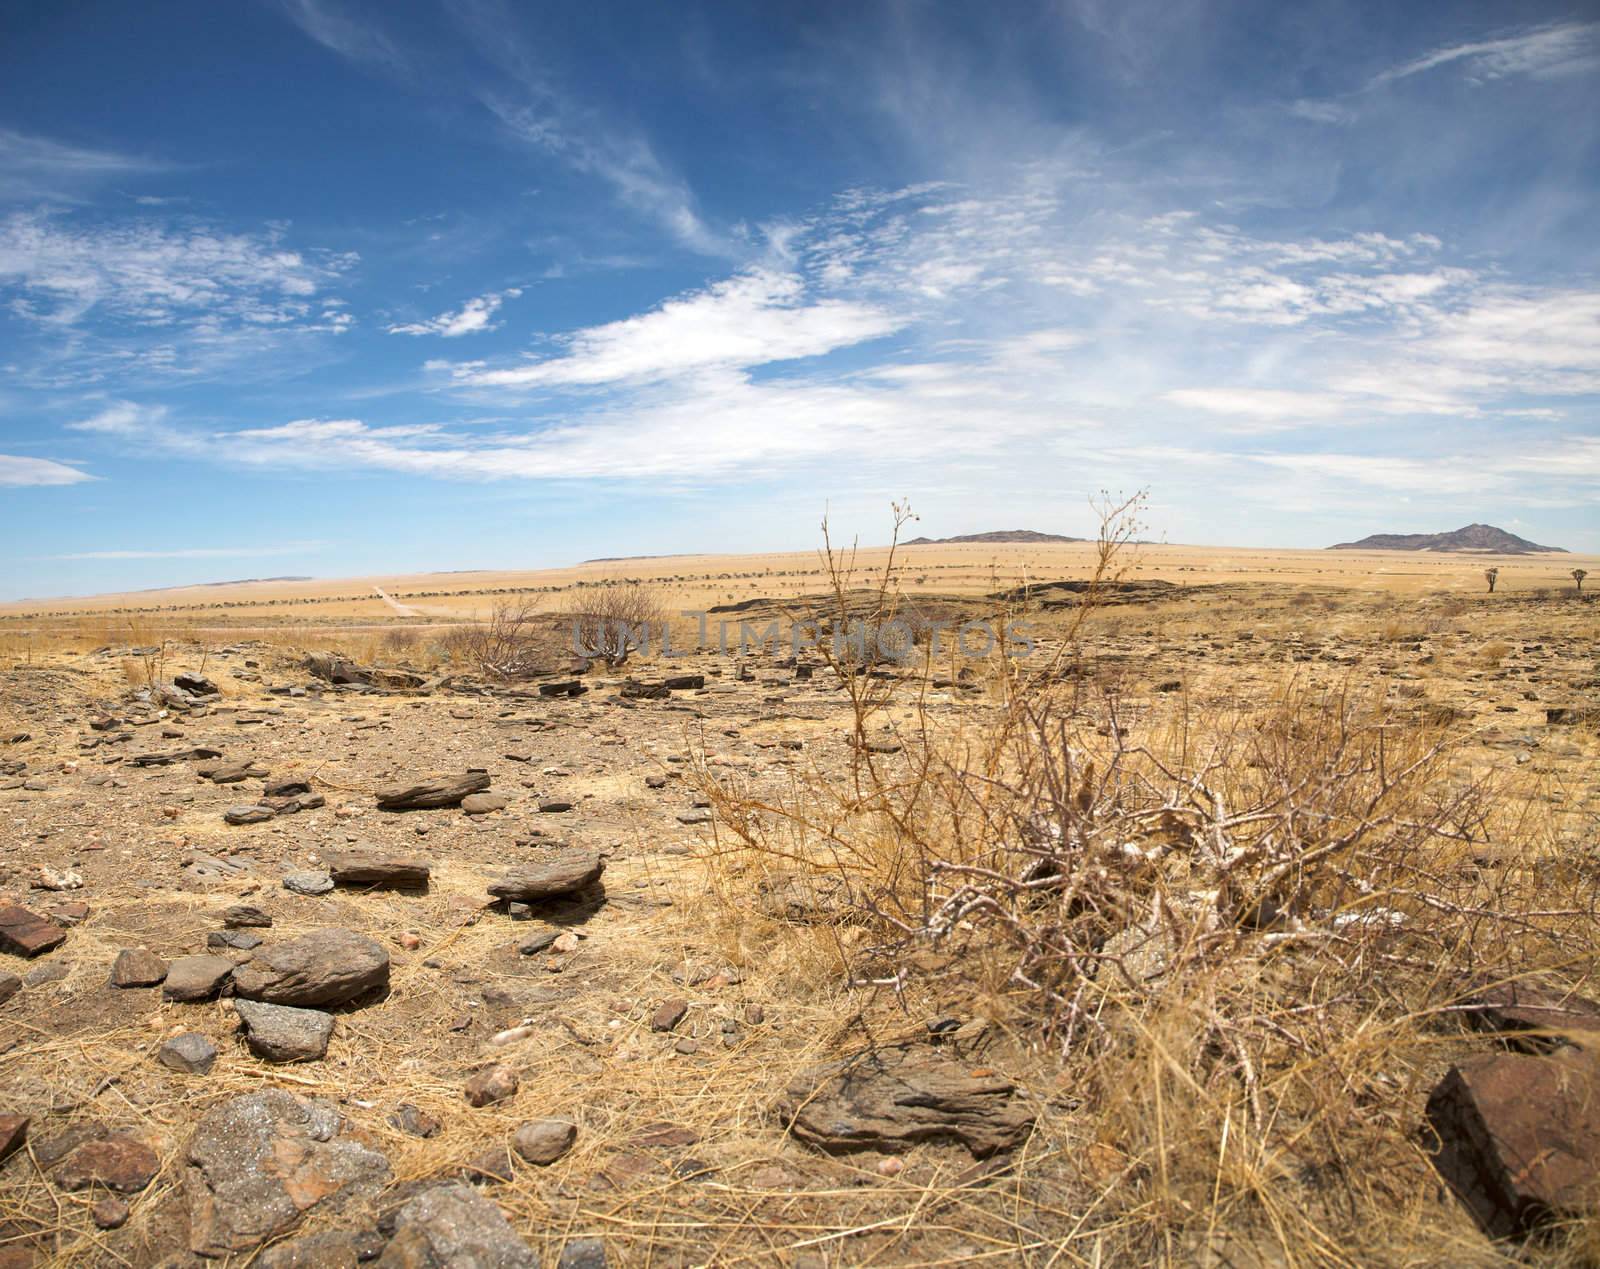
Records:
x=669, y=1015
x=445, y=790
x=25, y=933
x=109, y=1213
x=1519, y=1137
x=137, y=967
x=326, y=967
x=10, y=985
x=891, y=1099
x=1535, y=1015
x=377, y=868
x=258, y=1163
x=119, y=1163
x=242, y=916
x=563, y=874
x=13, y=1133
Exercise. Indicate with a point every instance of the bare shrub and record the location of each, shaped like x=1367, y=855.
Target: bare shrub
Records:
x=616, y=621
x=509, y=643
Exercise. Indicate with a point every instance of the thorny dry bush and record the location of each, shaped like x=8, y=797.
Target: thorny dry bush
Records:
x=1239, y=938
x=512, y=641
x=617, y=620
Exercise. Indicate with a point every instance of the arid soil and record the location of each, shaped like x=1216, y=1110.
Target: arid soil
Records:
x=662, y=1012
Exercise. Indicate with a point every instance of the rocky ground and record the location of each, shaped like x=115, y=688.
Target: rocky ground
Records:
x=321, y=973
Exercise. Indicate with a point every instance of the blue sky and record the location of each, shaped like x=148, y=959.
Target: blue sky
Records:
x=314, y=286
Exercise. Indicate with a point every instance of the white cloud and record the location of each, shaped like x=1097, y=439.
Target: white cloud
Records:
x=472, y=317
x=752, y=319
x=1260, y=406
x=15, y=470
x=1560, y=49
x=152, y=275
x=197, y=552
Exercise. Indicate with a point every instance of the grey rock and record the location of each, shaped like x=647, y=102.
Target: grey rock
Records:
x=237, y=940
x=326, y=967
x=308, y=883
x=331, y=1249
x=414, y=1121
x=248, y=814
x=258, y=1163
x=583, y=1253
x=483, y=803
x=196, y=977
x=280, y=1033
x=454, y=1227
x=190, y=1053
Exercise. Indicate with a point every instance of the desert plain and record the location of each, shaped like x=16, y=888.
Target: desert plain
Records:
x=1170, y=942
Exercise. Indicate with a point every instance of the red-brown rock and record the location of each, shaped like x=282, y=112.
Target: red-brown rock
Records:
x=26, y=933
x=1519, y=1136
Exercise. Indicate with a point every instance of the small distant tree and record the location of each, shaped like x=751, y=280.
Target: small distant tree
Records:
x=1578, y=574
x=1491, y=575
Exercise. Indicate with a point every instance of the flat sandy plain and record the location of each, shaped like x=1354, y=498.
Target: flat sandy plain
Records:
x=666, y=1015
x=701, y=581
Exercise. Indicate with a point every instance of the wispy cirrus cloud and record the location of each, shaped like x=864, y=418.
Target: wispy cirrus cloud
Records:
x=1561, y=48
x=349, y=37
x=17, y=470
x=34, y=168
x=473, y=317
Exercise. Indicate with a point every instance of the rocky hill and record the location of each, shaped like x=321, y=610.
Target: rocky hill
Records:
x=996, y=535
x=1483, y=539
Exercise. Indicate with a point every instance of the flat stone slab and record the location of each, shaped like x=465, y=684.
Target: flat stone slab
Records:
x=25, y=933
x=377, y=868
x=326, y=967
x=119, y=1163
x=891, y=1099
x=436, y=791
x=565, y=874
x=192, y=978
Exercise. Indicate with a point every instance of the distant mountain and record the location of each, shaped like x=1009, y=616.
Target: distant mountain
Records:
x=1479, y=539
x=995, y=535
